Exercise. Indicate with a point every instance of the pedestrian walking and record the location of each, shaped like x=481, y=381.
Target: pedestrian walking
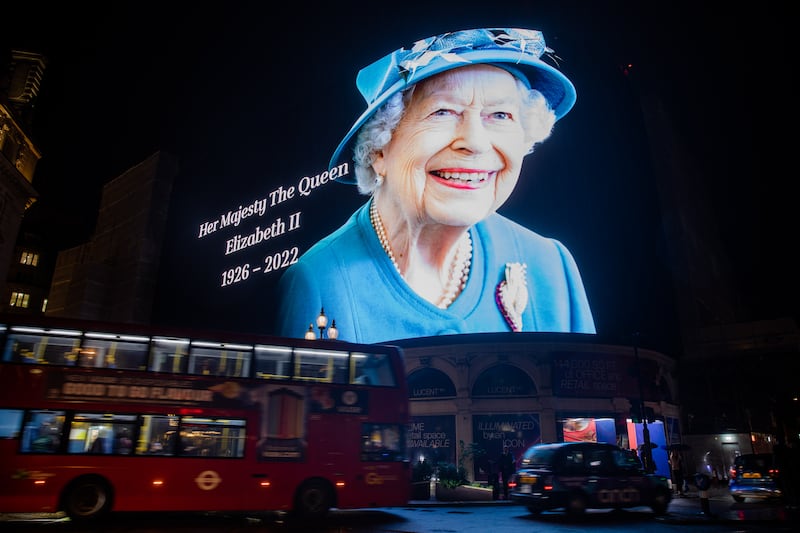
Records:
x=494, y=478
x=676, y=465
x=506, y=469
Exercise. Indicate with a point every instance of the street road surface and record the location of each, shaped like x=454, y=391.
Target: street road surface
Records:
x=433, y=519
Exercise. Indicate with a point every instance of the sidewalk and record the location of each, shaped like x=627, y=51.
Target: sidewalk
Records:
x=687, y=509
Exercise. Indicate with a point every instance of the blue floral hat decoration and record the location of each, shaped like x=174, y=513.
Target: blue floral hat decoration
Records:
x=516, y=50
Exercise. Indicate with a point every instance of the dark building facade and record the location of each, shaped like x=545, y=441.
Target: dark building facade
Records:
x=20, y=79
x=29, y=275
x=113, y=276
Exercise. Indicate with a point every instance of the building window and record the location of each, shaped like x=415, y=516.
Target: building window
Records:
x=29, y=258
x=19, y=299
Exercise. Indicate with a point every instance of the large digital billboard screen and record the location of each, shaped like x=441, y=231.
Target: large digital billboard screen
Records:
x=401, y=234
x=448, y=126
x=444, y=177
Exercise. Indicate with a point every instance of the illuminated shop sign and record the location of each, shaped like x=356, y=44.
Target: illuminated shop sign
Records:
x=430, y=383
x=607, y=376
x=503, y=380
x=432, y=438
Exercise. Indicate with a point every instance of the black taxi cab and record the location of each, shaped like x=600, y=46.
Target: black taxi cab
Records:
x=576, y=476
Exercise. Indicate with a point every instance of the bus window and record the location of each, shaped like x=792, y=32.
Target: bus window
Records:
x=10, y=422
x=329, y=366
x=102, y=433
x=36, y=346
x=372, y=369
x=314, y=365
x=169, y=355
x=157, y=435
x=341, y=370
x=217, y=437
x=114, y=351
x=216, y=359
x=42, y=433
x=382, y=442
x=273, y=361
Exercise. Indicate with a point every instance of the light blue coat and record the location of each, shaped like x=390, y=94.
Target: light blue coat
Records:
x=349, y=275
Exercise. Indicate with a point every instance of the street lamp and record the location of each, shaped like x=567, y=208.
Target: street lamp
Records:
x=322, y=325
x=333, y=333
x=322, y=321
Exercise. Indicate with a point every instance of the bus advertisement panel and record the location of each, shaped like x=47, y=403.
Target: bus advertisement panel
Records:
x=95, y=419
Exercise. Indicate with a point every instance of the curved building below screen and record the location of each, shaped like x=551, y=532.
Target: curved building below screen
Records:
x=473, y=395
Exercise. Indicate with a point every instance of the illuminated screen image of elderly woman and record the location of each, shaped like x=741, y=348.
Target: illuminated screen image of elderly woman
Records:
x=449, y=125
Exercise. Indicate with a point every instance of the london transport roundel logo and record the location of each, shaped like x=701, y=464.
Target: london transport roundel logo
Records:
x=349, y=397
x=208, y=480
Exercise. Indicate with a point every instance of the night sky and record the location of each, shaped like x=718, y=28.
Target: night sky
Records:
x=251, y=97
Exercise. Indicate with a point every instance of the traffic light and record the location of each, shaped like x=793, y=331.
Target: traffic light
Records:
x=636, y=412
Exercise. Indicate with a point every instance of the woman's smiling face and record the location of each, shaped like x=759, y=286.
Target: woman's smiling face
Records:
x=456, y=155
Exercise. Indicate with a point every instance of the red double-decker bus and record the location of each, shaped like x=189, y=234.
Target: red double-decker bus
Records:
x=97, y=418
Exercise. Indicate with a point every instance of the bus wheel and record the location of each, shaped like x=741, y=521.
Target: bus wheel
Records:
x=314, y=499
x=87, y=498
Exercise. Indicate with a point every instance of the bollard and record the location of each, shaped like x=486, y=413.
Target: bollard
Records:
x=705, y=507
x=703, y=484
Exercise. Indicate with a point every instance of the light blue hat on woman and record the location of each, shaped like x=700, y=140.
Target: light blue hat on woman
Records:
x=517, y=50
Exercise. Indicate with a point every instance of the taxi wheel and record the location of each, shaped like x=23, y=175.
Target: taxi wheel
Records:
x=576, y=504
x=661, y=500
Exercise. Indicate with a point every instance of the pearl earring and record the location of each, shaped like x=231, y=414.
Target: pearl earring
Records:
x=378, y=180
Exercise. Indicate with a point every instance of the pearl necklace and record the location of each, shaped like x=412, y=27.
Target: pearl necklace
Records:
x=459, y=270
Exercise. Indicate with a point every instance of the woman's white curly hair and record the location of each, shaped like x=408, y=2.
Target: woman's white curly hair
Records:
x=537, y=122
